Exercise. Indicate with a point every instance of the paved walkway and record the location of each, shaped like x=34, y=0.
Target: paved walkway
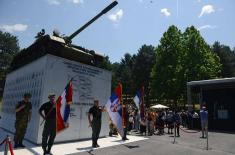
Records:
x=186, y=144
x=69, y=148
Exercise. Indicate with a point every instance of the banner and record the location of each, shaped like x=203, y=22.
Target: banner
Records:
x=114, y=109
x=63, y=108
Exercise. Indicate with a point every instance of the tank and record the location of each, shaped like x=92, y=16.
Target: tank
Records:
x=46, y=66
x=60, y=46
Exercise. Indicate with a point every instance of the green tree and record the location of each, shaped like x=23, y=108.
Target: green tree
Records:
x=125, y=73
x=227, y=59
x=8, y=48
x=181, y=58
x=115, y=74
x=168, y=66
x=106, y=64
x=143, y=64
x=122, y=73
x=200, y=63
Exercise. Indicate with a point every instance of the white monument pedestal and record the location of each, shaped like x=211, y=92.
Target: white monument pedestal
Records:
x=51, y=74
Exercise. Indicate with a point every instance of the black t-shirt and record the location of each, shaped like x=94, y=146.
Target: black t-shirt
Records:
x=96, y=113
x=46, y=107
x=25, y=111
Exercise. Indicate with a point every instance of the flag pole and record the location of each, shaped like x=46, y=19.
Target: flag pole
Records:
x=142, y=101
x=174, y=133
x=123, y=109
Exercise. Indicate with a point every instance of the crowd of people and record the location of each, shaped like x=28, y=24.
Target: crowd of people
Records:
x=160, y=122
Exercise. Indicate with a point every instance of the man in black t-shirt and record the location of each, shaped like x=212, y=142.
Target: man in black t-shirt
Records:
x=23, y=115
x=49, y=130
x=95, y=123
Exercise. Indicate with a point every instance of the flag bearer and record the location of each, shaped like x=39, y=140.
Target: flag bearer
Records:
x=48, y=113
x=95, y=123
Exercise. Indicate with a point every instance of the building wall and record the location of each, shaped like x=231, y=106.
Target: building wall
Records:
x=51, y=74
x=221, y=107
x=29, y=78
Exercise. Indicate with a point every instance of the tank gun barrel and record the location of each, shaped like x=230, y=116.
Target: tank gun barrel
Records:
x=105, y=10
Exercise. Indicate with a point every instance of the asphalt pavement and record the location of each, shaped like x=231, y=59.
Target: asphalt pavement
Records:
x=187, y=144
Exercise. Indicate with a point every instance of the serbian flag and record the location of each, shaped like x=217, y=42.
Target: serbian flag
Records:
x=139, y=102
x=137, y=99
x=63, y=107
x=114, y=108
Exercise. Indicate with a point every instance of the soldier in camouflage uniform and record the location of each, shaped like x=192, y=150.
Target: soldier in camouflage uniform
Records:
x=23, y=115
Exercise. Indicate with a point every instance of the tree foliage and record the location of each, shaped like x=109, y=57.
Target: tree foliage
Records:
x=143, y=64
x=125, y=73
x=182, y=57
x=200, y=62
x=8, y=48
x=106, y=64
x=167, y=69
x=227, y=59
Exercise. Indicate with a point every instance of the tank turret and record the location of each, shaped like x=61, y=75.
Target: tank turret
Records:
x=60, y=46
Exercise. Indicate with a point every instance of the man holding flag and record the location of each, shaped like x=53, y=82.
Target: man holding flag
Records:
x=55, y=115
x=49, y=130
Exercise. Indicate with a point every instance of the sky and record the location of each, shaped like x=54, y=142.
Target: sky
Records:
x=124, y=29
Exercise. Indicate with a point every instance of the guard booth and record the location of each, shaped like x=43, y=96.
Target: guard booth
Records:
x=218, y=95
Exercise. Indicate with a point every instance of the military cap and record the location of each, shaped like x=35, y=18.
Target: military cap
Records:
x=51, y=95
x=27, y=95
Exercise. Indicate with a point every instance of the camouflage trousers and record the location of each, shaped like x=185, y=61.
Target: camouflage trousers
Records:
x=20, y=130
x=112, y=129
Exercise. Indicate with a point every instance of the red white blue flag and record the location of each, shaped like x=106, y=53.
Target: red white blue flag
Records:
x=63, y=107
x=137, y=99
x=114, y=108
x=139, y=102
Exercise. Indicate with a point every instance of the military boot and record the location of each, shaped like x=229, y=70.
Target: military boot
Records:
x=16, y=144
x=21, y=144
x=49, y=151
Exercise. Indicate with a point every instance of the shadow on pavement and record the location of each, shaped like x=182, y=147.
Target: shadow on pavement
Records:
x=131, y=146
x=87, y=149
x=221, y=131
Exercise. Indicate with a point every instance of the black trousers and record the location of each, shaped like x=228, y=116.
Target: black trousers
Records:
x=48, y=134
x=142, y=128
x=177, y=129
x=96, y=127
x=125, y=133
